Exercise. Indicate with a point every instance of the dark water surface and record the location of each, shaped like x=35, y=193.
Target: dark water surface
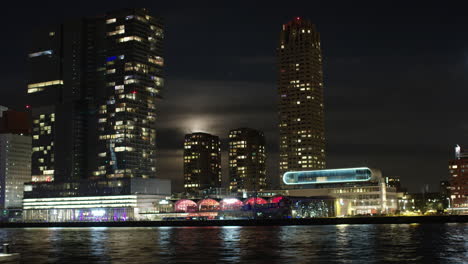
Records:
x=415, y=243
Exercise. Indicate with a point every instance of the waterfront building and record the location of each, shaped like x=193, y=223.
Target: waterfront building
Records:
x=300, y=92
x=94, y=200
x=15, y=168
x=458, y=170
x=422, y=203
x=202, y=162
x=319, y=193
x=15, y=157
x=356, y=191
x=93, y=90
x=247, y=157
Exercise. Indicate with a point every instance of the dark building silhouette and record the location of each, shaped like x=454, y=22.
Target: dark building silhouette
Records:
x=247, y=157
x=94, y=84
x=394, y=181
x=444, y=188
x=458, y=169
x=15, y=122
x=202, y=162
x=300, y=91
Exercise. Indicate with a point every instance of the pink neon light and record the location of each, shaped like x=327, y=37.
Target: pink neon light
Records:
x=253, y=200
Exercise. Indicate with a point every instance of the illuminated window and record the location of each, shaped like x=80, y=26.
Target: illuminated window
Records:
x=118, y=31
x=37, y=87
x=156, y=60
x=129, y=38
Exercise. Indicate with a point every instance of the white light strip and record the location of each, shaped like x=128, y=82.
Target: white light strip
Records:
x=80, y=198
x=78, y=206
x=81, y=202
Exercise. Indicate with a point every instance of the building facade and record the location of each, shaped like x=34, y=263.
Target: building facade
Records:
x=134, y=81
x=300, y=91
x=202, y=162
x=93, y=88
x=93, y=200
x=55, y=89
x=356, y=191
x=458, y=170
x=15, y=168
x=247, y=157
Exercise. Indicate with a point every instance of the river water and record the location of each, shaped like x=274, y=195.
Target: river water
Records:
x=414, y=243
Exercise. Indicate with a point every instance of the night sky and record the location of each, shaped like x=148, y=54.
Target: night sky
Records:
x=395, y=77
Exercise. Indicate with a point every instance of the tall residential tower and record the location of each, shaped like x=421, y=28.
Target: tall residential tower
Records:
x=94, y=86
x=458, y=169
x=202, y=162
x=247, y=168
x=300, y=90
x=132, y=70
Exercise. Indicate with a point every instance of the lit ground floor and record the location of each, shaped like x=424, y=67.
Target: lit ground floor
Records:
x=348, y=200
x=89, y=208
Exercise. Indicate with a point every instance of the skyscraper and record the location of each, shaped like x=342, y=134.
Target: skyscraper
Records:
x=93, y=88
x=247, y=170
x=300, y=90
x=133, y=80
x=202, y=162
x=458, y=169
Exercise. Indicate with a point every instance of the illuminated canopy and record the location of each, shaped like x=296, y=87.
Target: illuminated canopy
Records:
x=231, y=204
x=185, y=205
x=208, y=205
x=361, y=174
x=276, y=199
x=253, y=200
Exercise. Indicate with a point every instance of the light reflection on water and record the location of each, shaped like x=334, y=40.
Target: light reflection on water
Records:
x=438, y=243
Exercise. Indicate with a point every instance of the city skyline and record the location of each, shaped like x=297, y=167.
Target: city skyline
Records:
x=360, y=139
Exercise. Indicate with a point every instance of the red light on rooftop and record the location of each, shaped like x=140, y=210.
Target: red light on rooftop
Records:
x=28, y=106
x=298, y=18
x=134, y=92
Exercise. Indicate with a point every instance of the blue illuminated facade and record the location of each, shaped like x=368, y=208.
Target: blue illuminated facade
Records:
x=362, y=174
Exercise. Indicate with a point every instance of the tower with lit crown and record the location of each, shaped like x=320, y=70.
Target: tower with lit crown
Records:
x=300, y=91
